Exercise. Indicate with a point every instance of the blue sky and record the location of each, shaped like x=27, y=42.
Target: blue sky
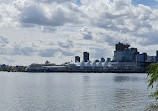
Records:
x=151, y=3
x=78, y=2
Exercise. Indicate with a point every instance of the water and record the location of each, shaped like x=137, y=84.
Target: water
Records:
x=73, y=92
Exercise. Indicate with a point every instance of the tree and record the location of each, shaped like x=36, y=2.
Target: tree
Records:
x=152, y=71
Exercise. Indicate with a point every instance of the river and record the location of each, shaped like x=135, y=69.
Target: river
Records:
x=74, y=92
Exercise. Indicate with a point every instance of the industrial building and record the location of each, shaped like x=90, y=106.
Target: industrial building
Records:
x=124, y=54
x=121, y=46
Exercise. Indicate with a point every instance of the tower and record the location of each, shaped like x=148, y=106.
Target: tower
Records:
x=77, y=59
x=85, y=56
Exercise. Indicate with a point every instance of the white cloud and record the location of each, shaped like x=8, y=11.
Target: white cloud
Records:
x=65, y=43
x=3, y=41
x=42, y=12
x=53, y=14
x=119, y=15
x=58, y=1
x=47, y=29
x=86, y=33
x=8, y=15
x=36, y=48
x=94, y=26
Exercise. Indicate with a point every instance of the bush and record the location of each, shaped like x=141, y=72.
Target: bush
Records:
x=152, y=71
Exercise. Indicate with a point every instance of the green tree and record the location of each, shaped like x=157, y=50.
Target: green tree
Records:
x=152, y=71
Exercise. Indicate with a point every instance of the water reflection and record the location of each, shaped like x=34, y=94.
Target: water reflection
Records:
x=125, y=99
x=86, y=78
x=119, y=78
x=73, y=92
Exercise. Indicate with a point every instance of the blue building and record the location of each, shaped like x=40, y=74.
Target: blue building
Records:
x=141, y=57
x=124, y=54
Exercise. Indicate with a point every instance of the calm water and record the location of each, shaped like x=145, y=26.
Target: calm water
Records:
x=73, y=92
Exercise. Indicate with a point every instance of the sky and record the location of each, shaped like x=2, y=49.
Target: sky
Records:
x=33, y=31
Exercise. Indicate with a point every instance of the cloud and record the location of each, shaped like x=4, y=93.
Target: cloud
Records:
x=58, y=1
x=86, y=33
x=44, y=49
x=52, y=14
x=8, y=16
x=3, y=41
x=69, y=25
x=47, y=29
x=122, y=18
x=116, y=15
x=119, y=15
x=30, y=13
x=18, y=49
x=100, y=52
x=52, y=52
x=150, y=38
x=48, y=52
x=65, y=43
x=13, y=48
